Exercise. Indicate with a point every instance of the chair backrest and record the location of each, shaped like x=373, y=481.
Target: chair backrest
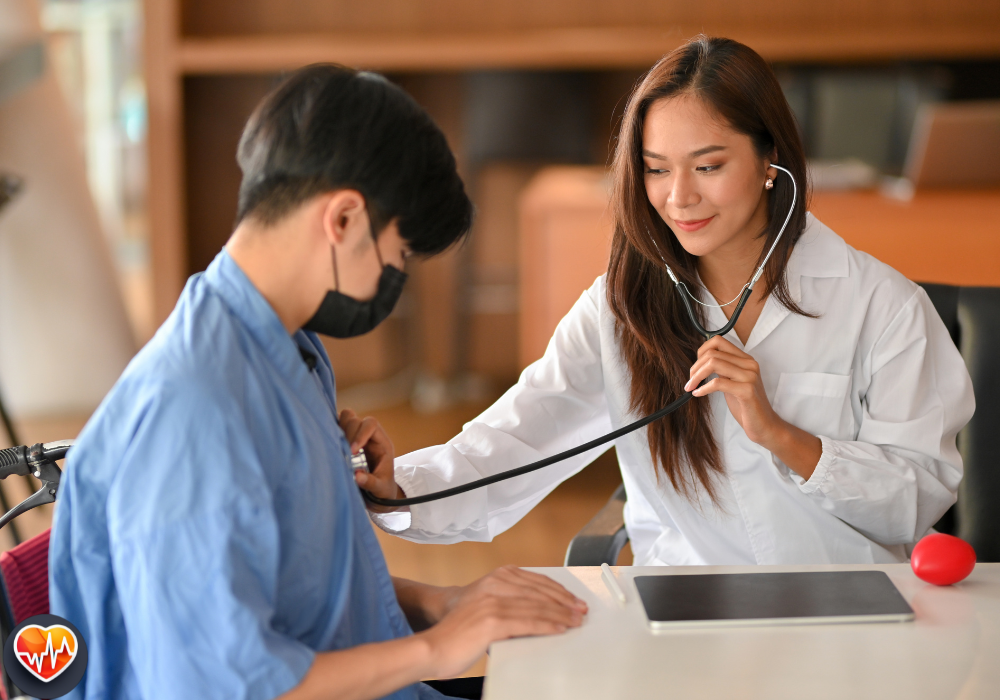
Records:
x=25, y=570
x=24, y=591
x=972, y=316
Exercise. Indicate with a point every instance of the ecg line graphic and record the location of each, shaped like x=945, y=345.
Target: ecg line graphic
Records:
x=36, y=660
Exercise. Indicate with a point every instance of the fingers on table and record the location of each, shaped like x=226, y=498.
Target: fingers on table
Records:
x=538, y=586
x=516, y=617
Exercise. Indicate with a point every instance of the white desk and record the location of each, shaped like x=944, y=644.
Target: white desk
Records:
x=952, y=650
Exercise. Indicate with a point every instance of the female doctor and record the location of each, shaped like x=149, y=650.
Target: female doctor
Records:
x=824, y=425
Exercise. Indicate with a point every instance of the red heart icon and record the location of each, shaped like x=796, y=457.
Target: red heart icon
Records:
x=45, y=651
x=942, y=559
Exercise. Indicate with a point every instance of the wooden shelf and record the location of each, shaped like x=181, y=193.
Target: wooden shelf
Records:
x=624, y=47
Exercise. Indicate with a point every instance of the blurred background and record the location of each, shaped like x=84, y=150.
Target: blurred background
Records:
x=119, y=121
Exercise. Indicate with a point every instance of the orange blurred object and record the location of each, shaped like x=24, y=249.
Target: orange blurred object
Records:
x=943, y=236
x=565, y=239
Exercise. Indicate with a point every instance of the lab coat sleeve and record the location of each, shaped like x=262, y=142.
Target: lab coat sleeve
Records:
x=902, y=472
x=557, y=403
x=196, y=566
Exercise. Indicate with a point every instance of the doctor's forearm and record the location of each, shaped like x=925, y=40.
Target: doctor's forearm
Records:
x=799, y=450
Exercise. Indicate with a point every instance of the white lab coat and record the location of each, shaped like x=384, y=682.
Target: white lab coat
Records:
x=876, y=376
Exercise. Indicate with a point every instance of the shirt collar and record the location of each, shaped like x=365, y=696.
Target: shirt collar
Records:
x=255, y=314
x=819, y=252
x=316, y=388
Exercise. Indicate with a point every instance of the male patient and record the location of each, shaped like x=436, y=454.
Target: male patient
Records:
x=210, y=540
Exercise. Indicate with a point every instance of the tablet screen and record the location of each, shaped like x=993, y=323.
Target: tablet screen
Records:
x=771, y=598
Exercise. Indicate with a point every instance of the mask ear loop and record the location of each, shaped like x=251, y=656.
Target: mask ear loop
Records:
x=333, y=251
x=378, y=253
x=336, y=277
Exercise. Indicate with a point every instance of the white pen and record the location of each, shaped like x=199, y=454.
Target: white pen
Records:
x=612, y=583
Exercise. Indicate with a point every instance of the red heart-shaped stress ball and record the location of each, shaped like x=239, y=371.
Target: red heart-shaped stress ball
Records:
x=942, y=559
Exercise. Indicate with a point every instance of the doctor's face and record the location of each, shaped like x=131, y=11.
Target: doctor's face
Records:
x=705, y=179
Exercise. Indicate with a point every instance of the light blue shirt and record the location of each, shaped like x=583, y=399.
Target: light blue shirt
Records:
x=209, y=538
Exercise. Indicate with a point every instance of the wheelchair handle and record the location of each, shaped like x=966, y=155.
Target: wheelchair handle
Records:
x=23, y=460
x=39, y=460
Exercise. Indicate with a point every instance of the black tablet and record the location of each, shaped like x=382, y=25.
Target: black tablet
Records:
x=806, y=597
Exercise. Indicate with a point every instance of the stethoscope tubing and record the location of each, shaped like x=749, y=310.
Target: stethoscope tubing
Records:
x=604, y=439
x=534, y=466
x=625, y=430
x=706, y=334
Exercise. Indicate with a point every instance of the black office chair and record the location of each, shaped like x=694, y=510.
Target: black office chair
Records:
x=972, y=316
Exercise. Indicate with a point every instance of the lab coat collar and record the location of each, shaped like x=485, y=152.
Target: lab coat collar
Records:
x=819, y=252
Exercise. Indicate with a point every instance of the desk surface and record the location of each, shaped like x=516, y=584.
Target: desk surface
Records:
x=952, y=650
x=950, y=237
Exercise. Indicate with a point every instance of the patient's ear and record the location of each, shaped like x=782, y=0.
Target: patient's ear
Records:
x=344, y=217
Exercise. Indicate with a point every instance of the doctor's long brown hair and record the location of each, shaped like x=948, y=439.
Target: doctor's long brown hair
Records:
x=657, y=340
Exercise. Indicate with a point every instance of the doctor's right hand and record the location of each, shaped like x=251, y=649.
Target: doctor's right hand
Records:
x=368, y=435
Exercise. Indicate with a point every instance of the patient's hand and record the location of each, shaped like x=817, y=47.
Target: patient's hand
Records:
x=367, y=434
x=509, y=602
x=510, y=582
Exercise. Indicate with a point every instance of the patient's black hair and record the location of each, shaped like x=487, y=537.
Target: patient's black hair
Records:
x=326, y=127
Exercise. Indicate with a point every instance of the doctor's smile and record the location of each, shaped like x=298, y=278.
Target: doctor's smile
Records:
x=692, y=224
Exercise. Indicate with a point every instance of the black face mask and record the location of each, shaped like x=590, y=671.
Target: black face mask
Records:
x=341, y=316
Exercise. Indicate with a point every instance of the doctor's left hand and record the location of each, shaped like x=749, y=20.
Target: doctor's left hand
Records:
x=367, y=434
x=739, y=380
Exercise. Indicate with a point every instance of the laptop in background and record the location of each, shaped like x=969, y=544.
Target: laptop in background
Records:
x=955, y=144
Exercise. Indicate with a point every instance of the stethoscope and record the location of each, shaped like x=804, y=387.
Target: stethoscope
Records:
x=686, y=297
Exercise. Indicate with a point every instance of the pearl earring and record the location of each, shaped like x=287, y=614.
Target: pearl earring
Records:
x=769, y=184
